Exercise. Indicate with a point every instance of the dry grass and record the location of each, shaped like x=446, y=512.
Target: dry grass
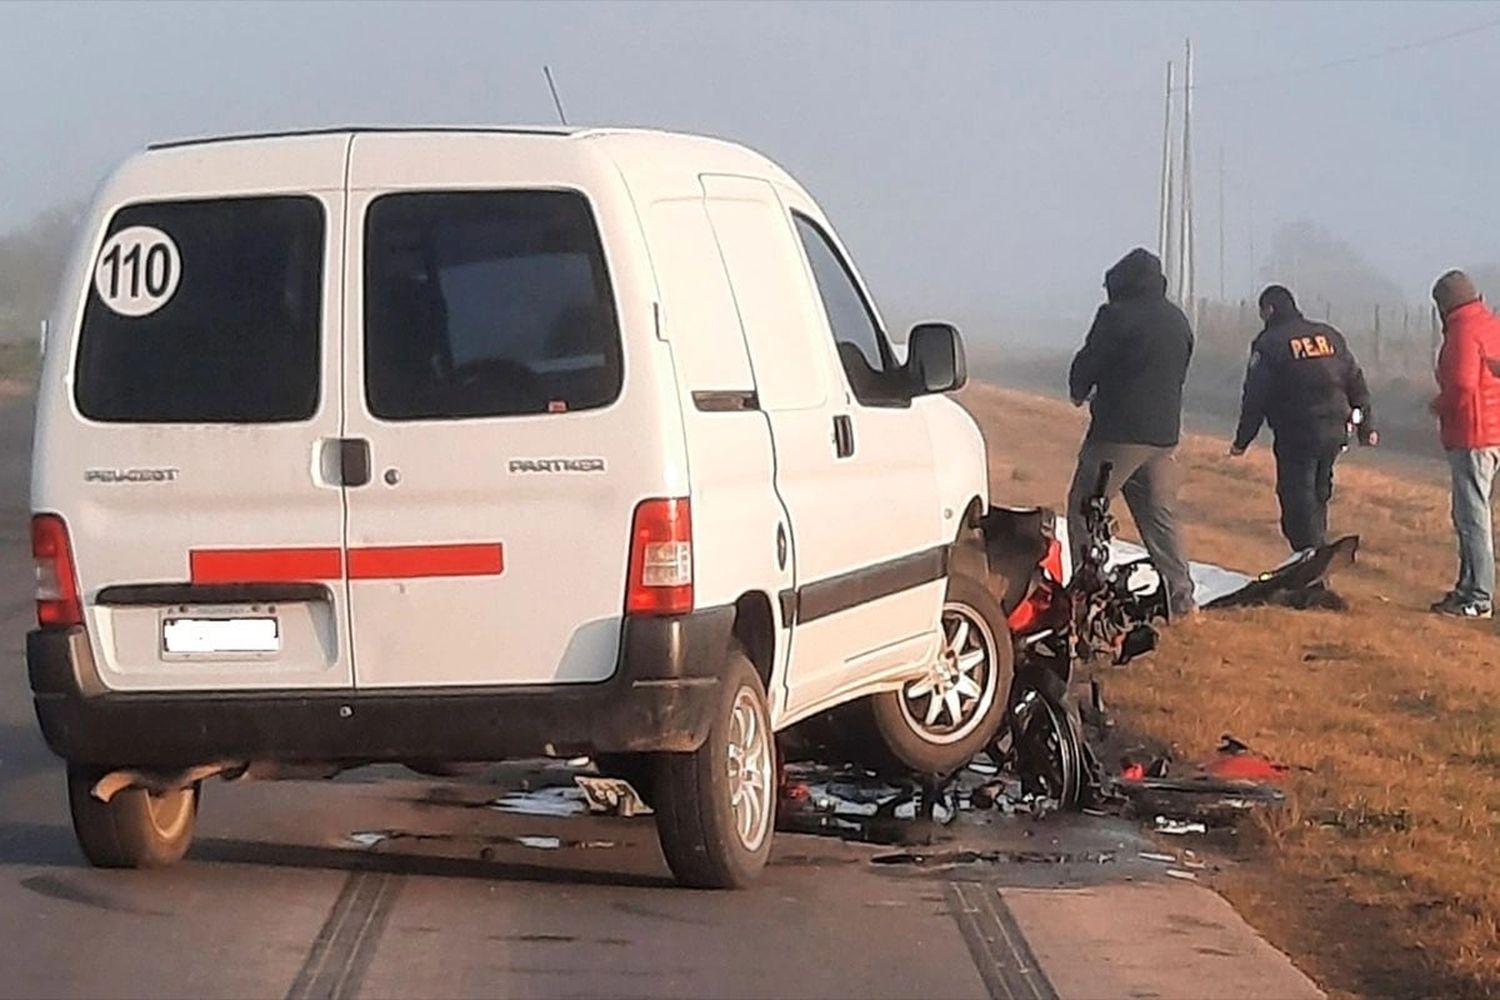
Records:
x=1382, y=877
x=19, y=361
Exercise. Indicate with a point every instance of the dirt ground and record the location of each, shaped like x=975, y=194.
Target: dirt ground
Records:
x=1382, y=875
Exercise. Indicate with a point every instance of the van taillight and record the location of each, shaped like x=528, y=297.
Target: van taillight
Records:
x=57, y=603
x=661, y=559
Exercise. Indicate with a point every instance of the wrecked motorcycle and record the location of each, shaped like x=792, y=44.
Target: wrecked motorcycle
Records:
x=1063, y=617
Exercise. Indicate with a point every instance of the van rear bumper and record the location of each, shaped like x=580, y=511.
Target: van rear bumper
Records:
x=662, y=697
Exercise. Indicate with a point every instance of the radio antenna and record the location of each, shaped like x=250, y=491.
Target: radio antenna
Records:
x=556, y=101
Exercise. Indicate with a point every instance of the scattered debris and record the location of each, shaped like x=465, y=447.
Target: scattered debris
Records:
x=1213, y=801
x=550, y=802
x=1166, y=859
x=371, y=839
x=1237, y=761
x=1178, y=873
x=1179, y=828
x=1210, y=582
x=1010, y=796
x=857, y=804
x=540, y=843
x=1363, y=818
x=996, y=858
x=612, y=795
x=1301, y=582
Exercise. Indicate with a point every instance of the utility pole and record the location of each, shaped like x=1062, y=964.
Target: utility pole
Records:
x=1164, y=221
x=1186, y=288
x=1250, y=233
x=1223, y=295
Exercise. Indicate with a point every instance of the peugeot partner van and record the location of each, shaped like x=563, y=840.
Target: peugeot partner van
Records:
x=433, y=446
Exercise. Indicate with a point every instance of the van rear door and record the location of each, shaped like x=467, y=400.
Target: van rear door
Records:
x=193, y=453
x=486, y=381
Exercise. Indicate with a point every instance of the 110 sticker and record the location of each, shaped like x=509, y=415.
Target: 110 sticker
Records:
x=138, y=271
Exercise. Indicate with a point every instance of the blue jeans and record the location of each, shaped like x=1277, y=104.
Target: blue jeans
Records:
x=1473, y=476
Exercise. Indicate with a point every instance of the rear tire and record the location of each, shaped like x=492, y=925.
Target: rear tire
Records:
x=936, y=724
x=135, y=828
x=715, y=807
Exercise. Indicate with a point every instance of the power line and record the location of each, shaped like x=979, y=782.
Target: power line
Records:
x=1342, y=61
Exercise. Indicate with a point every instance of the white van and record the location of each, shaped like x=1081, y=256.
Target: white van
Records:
x=433, y=446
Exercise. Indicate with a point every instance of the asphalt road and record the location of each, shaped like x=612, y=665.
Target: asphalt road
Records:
x=384, y=884
x=282, y=897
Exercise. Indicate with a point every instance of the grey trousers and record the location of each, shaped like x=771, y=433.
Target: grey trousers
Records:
x=1147, y=476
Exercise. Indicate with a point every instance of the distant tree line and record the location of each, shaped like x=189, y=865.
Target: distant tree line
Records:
x=32, y=258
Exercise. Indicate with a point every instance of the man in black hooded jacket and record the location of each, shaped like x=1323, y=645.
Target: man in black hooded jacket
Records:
x=1305, y=382
x=1131, y=370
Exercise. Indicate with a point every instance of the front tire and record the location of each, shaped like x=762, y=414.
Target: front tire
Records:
x=136, y=828
x=938, y=722
x=716, y=807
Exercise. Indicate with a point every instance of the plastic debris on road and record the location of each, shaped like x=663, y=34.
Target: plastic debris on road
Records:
x=369, y=839
x=614, y=796
x=540, y=843
x=1179, y=828
x=553, y=802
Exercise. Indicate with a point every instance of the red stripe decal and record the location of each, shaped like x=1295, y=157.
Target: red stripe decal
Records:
x=406, y=561
x=265, y=565
x=397, y=562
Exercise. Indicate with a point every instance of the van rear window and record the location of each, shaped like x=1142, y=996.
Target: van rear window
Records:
x=205, y=312
x=487, y=304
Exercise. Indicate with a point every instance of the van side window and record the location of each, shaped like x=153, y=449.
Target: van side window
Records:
x=237, y=337
x=873, y=375
x=487, y=304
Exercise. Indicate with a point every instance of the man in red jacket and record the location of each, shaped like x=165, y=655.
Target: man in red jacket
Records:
x=1468, y=408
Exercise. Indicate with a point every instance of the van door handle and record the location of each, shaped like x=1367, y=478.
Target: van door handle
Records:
x=843, y=435
x=354, y=462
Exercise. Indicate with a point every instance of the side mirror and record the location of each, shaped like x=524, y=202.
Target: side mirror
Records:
x=935, y=359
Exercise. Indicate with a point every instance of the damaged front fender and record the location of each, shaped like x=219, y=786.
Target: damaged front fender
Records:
x=1016, y=541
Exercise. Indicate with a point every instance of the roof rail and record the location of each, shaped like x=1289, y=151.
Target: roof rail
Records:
x=353, y=129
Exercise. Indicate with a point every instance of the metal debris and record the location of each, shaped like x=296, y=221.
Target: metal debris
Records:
x=615, y=796
x=1178, y=827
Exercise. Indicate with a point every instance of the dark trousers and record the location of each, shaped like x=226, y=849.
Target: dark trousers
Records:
x=1304, y=485
x=1147, y=477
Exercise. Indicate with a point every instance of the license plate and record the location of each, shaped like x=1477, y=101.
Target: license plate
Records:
x=221, y=635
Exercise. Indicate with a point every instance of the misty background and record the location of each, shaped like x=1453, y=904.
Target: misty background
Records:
x=984, y=162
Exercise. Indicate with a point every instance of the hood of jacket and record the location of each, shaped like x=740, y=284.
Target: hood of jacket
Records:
x=1283, y=307
x=1137, y=275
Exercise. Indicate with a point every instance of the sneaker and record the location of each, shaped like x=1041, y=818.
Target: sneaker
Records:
x=1447, y=604
x=1455, y=608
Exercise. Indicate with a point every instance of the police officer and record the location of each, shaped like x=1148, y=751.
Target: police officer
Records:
x=1304, y=381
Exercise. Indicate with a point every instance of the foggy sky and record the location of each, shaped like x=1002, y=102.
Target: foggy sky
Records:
x=976, y=158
